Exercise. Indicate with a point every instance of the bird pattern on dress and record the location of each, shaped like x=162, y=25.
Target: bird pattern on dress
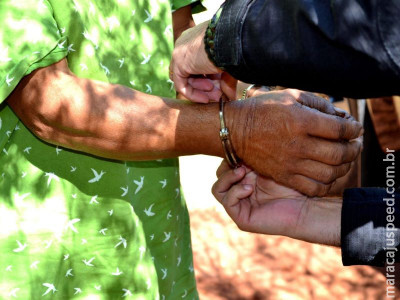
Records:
x=73, y=225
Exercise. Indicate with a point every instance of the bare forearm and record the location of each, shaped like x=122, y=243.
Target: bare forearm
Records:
x=112, y=121
x=181, y=20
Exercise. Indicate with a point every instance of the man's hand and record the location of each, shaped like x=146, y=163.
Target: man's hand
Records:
x=190, y=63
x=258, y=204
x=295, y=138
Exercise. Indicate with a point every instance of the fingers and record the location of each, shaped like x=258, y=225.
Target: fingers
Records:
x=343, y=114
x=233, y=196
x=332, y=127
x=225, y=182
x=330, y=152
x=308, y=186
x=183, y=87
x=205, y=86
x=189, y=60
x=201, y=83
x=215, y=94
x=196, y=89
x=224, y=167
x=339, y=125
x=313, y=101
x=321, y=172
x=228, y=86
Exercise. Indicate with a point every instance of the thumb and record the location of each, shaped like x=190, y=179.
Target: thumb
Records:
x=226, y=181
x=228, y=86
x=234, y=196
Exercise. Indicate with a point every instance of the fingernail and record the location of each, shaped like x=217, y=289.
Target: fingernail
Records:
x=238, y=170
x=339, y=113
x=247, y=187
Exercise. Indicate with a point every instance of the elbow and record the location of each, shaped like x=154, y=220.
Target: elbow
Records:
x=38, y=101
x=40, y=127
x=36, y=120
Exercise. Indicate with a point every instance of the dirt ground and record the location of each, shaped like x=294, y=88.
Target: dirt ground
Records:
x=235, y=265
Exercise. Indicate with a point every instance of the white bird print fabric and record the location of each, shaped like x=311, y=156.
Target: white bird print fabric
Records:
x=75, y=226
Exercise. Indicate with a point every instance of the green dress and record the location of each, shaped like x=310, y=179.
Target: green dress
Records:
x=75, y=226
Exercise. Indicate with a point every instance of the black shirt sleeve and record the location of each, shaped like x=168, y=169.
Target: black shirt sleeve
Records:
x=338, y=47
x=370, y=227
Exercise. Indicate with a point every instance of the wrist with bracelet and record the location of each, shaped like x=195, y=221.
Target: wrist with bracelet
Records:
x=224, y=134
x=233, y=160
x=247, y=92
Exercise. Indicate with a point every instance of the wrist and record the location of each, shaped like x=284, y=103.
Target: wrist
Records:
x=197, y=129
x=258, y=90
x=236, y=118
x=246, y=90
x=229, y=152
x=320, y=221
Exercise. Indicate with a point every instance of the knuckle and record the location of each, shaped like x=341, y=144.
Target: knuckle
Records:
x=285, y=179
x=341, y=128
x=291, y=181
x=303, y=145
x=294, y=93
x=242, y=226
x=353, y=152
x=329, y=174
x=214, y=189
x=321, y=189
x=299, y=146
x=234, y=190
x=324, y=189
x=359, y=144
x=318, y=190
x=312, y=190
x=302, y=185
x=291, y=167
x=344, y=170
x=357, y=128
x=360, y=148
x=283, y=170
x=336, y=156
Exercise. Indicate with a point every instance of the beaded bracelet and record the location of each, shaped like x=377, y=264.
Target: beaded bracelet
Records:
x=246, y=92
x=210, y=35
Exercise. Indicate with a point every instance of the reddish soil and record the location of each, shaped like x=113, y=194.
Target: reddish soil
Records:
x=235, y=265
